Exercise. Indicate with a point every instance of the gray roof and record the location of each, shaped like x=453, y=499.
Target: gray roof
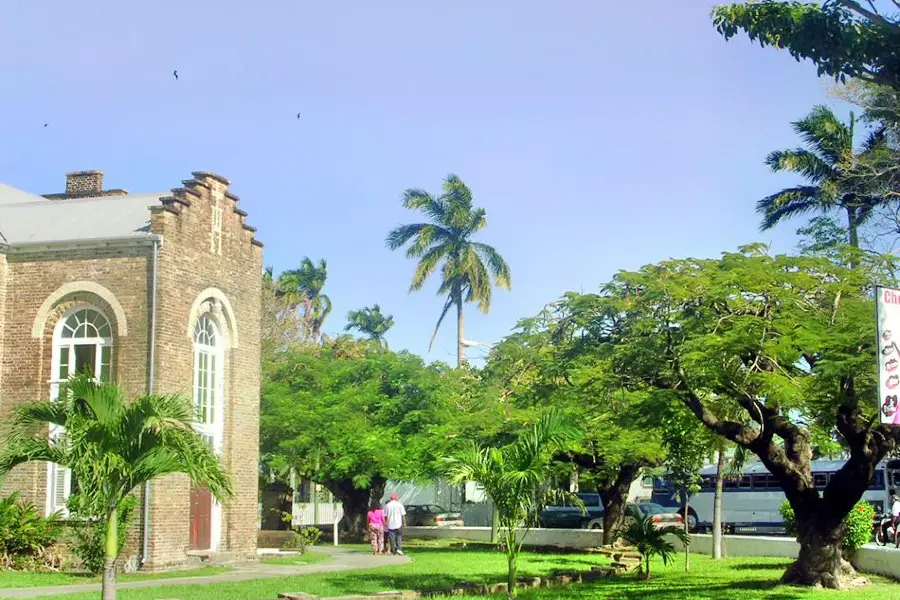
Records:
x=11, y=195
x=34, y=220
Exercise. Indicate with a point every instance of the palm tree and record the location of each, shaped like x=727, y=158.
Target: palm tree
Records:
x=832, y=168
x=112, y=446
x=650, y=540
x=514, y=477
x=302, y=287
x=371, y=322
x=447, y=240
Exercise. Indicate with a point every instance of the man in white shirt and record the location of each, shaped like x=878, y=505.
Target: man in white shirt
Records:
x=395, y=515
x=895, y=506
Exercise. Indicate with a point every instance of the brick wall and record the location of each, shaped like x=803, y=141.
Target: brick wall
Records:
x=187, y=267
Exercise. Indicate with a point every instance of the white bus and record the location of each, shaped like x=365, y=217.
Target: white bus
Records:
x=750, y=504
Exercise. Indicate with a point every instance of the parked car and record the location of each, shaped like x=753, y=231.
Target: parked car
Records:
x=660, y=516
x=570, y=516
x=432, y=515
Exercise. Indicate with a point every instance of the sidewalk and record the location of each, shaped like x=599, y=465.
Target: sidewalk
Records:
x=342, y=560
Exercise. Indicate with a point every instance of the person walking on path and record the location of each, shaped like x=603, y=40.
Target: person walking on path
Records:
x=376, y=529
x=395, y=517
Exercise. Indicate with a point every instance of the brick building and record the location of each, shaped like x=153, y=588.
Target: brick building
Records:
x=159, y=293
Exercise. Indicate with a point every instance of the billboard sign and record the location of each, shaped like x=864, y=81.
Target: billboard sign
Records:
x=887, y=305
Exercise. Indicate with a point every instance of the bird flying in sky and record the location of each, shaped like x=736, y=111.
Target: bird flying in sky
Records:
x=175, y=74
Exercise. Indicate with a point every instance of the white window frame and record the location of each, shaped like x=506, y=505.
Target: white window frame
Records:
x=206, y=355
x=59, y=476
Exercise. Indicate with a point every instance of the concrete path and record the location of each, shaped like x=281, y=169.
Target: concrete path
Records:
x=342, y=560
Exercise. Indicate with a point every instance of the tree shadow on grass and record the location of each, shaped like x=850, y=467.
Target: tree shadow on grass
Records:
x=780, y=566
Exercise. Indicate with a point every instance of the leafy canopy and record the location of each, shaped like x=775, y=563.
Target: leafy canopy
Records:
x=353, y=411
x=843, y=38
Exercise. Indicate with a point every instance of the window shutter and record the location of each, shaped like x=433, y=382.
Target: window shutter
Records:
x=59, y=495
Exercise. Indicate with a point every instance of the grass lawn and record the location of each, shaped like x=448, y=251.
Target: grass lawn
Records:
x=307, y=558
x=436, y=567
x=21, y=579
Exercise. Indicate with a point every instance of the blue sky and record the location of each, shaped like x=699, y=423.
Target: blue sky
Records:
x=598, y=135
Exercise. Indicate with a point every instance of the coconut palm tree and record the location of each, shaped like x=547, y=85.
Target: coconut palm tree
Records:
x=447, y=241
x=112, y=447
x=832, y=169
x=302, y=287
x=650, y=540
x=514, y=477
x=370, y=322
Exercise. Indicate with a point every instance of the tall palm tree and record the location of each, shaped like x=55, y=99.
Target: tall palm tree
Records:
x=112, y=447
x=832, y=169
x=447, y=241
x=302, y=287
x=370, y=322
x=514, y=476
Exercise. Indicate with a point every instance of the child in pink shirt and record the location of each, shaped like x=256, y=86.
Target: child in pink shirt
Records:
x=375, y=519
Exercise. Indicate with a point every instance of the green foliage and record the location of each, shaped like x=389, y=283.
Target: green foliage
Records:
x=822, y=236
x=446, y=240
x=112, y=445
x=689, y=444
x=351, y=413
x=302, y=539
x=858, y=524
x=301, y=288
x=787, y=516
x=370, y=322
x=88, y=526
x=843, y=38
x=831, y=168
x=649, y=540
x=26, y=537
x=514, y=477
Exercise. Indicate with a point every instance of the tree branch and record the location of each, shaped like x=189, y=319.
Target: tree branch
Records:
x=871, y=14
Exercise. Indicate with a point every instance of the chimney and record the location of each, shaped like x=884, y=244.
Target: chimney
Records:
x=84, y=183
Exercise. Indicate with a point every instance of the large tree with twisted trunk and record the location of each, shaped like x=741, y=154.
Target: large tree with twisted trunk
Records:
x=555, y=359
x=786, y=340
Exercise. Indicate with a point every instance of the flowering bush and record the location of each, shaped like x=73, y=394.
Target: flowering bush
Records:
x=858, y=524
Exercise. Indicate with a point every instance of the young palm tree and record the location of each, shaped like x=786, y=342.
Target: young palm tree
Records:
x=650, y=540
x=514, y=477
x=830, y=165
x=112, y=447
x=370, y=322
x=303, y=287
x=447, y=241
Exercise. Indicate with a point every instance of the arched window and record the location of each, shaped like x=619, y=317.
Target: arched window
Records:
x=82, y=344
x=208, y=380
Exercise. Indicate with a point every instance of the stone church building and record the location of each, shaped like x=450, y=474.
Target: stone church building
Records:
x=159, y=293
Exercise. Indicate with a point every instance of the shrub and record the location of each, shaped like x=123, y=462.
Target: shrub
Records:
x=27, y=537
x=89, y=532
x=858, y=524
x=302, y=539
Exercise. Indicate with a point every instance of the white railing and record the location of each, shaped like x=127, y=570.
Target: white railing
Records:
x=306, y=513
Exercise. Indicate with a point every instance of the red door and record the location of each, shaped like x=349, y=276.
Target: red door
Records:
x=201, y=519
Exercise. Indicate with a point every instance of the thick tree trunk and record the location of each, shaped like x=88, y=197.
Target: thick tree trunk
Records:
x=460, y=332
x=717, y=507
x=111, y=552
x=820, y=562
x=355, y=503
x=614, y=502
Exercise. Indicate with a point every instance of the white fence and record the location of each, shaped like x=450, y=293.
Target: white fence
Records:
x=307, y=513
x=869, y=559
